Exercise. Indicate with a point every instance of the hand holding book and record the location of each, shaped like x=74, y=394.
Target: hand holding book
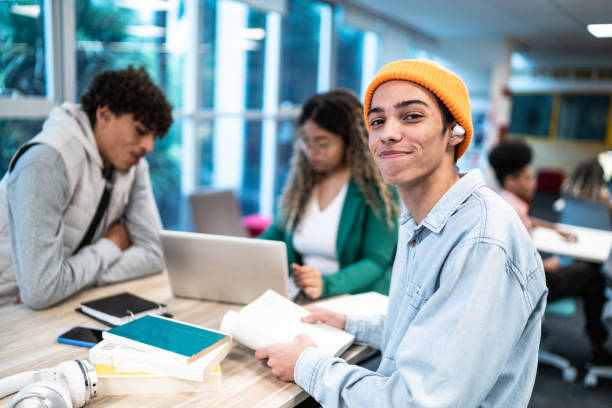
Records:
x=325, y=316
x=271, y=318
x=282, y=357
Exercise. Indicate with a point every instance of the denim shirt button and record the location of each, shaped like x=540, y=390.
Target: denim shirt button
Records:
x=413, y=243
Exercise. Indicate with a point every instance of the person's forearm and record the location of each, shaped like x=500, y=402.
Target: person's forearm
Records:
x=367, y=330
x=134, y=262
x=143, y=224
x=37, y=193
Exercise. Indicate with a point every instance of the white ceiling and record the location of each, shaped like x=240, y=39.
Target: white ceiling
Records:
x=537, y=26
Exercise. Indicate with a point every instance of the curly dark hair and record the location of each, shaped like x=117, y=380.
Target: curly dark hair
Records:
x=509, y=158
x=338, y=111
x=129, y=90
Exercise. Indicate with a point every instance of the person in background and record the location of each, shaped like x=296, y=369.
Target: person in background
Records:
x=511, y=162
x=467, y=291
x=587, y=183
x=337, y=216
x=76, y=206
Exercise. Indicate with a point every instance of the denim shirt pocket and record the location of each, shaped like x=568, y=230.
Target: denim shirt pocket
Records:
x=413, y=300
x=416, y=297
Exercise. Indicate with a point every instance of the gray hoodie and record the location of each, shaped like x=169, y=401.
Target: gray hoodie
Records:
x=47, y=202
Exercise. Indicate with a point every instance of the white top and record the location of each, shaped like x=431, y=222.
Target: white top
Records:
x=316, y=235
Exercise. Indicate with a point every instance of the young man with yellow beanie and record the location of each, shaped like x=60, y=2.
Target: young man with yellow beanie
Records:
x=468, y=290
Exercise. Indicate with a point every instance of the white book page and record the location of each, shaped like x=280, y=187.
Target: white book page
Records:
x=271, y=318
x=363, y=304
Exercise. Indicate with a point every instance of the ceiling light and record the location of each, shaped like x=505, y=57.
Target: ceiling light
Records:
x=600, y=30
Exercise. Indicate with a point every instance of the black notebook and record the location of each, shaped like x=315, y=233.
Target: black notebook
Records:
x=121, y=308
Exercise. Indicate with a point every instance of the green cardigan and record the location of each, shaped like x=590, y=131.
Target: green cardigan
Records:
x=365, y=247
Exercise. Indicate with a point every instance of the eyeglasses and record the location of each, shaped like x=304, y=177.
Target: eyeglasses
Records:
x=321, y=146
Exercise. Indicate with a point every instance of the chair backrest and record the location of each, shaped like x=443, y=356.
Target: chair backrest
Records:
x=216, y=212
x=585, y=213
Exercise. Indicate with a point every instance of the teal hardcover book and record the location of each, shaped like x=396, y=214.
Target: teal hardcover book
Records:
x=169, y=338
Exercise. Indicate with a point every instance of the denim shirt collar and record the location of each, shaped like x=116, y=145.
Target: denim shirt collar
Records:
x=445, y=207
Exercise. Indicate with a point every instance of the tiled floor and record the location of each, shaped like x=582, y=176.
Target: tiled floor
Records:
x=566, y=337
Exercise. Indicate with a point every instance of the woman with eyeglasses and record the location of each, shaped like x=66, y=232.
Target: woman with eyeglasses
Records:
x=337, y=216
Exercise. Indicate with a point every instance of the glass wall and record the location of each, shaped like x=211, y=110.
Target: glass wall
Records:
x=300, y=49
x=111, y=35
x=14, y=133
x=350, y=56
x=165, y=171
x=22, y=51
x=252, y=70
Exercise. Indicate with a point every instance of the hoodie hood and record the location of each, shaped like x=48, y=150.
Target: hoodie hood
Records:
x=70, y=118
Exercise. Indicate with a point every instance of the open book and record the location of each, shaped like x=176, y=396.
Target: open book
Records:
x=272, y=318
x=363, y=304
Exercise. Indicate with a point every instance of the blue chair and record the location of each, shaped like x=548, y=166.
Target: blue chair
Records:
x=561, y=307
x=584, y=213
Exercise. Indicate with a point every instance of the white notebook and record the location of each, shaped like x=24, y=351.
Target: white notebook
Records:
x=272, y=318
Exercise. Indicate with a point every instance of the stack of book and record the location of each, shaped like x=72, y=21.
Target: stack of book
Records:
x=154, y=354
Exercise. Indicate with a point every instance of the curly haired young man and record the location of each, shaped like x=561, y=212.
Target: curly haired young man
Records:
x=76, y=205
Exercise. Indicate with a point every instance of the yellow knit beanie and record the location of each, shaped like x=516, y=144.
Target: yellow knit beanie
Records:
x=447, y=86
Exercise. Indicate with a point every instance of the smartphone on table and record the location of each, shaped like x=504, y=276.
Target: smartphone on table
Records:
x=81, y=336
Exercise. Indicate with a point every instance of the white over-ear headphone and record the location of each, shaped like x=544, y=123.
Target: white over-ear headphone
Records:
x=70, y=385
x=458, y=130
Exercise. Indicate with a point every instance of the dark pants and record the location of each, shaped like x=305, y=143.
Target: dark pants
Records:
x=584, y=280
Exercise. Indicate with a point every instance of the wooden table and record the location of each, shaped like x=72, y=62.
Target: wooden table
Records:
x=593, y=245
x=28, y=340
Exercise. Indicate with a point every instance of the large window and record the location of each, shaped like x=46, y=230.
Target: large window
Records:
x=531, y=114
x=113, y=34
x=305, y=30
x=350, y=56
x=584, y=117
x=563, y=116
x=22, y=51
x=165, y=171
x=235, y=74
x=14, y=133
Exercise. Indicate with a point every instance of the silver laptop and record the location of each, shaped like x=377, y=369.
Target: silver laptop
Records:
x=224, y=268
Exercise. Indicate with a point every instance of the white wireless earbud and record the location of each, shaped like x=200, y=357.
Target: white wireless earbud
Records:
x=71, y=385
x=458, y=130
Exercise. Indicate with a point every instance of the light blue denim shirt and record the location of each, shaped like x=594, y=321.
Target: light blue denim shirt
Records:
x=463, y=328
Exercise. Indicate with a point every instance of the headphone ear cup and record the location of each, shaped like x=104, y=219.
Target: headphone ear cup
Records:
x=72, y=377
x=43, y=394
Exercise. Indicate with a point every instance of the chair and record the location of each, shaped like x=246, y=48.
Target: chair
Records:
x=589, y=214
x=584, y=213
x=561, y=307
x=216, y=212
